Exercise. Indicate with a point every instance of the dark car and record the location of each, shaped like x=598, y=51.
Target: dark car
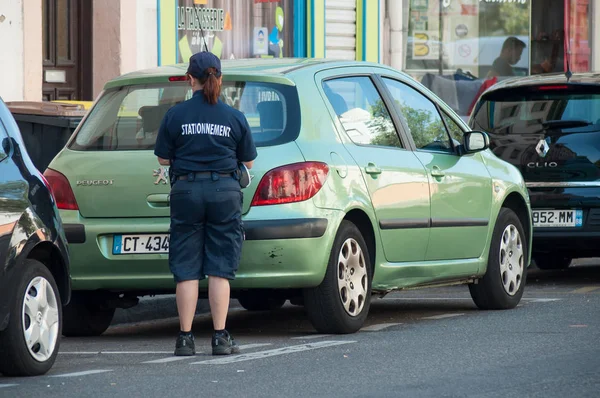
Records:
x=549, y=127
x=34, y=262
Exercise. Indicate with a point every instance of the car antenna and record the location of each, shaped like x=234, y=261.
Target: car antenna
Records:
x=204, y=39
x=568, y=72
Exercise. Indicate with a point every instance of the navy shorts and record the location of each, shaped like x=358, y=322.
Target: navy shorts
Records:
x=206, y=228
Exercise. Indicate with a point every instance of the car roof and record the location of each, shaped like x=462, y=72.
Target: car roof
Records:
x=579, y=78
x=276, y=70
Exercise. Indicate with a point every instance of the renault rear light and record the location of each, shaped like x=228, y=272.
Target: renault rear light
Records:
x=291, y=183
x=63, y=194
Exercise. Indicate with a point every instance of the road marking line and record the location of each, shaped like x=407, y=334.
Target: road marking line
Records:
x=377, y=328
x=310, y=336
x=586, y=289
x=170, y=359
x=255, y=345
x=174, y=359
x=114, y=352
x=84, y=373
x=426, y=298
x=541, y=300
x=459, y=298
x=7, y=385
x=272, y=353
x=442, y=316
x=79, y=352
x=136, y=352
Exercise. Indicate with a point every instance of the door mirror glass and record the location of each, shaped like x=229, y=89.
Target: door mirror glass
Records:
x=475, y=141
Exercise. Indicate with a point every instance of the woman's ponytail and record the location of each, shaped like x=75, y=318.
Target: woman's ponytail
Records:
x=212, y=86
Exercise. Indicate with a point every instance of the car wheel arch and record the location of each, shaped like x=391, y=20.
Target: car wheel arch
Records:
x=516, y=203
x=365, y=225
x=46, y=253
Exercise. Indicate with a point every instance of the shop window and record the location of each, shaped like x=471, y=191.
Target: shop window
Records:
x=235, y=29
x=464, y=38
x=554, y=25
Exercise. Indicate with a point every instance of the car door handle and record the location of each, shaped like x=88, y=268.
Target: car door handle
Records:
x=158, y=200
x=372, y=169
x=437, y=172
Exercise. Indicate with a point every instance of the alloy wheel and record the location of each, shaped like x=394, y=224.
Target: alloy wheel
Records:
x=511, y=260
x=40, y=319
x=352, y=277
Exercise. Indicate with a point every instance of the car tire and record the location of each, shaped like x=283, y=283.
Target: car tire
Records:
x=260, y=301
x=86, y=316
x=36, y=311
x=552, y=261
x=503, y=284
x=340, y=304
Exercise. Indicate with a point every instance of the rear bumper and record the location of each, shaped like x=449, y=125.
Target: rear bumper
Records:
x=573, y=242
x=255, y=230
x=294, y=228
x=287, y=252
x=570, y=243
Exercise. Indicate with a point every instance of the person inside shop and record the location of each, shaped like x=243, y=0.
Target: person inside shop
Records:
x=206, y=143
x=512, y=48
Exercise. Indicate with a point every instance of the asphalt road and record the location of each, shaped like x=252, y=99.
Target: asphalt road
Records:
x=419, y=343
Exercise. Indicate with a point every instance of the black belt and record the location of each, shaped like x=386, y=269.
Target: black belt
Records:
x=203, y=174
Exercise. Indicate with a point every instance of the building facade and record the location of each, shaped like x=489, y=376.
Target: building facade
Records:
x=454, y=46
x=269, y=29
x=68, y=49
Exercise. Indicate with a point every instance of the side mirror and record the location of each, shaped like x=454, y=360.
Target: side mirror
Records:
x=475, y=141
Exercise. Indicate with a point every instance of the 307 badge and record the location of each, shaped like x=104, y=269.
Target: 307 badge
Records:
x=162, y=175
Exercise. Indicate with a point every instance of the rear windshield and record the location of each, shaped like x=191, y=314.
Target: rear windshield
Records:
x=128, y=118
x=532, y=112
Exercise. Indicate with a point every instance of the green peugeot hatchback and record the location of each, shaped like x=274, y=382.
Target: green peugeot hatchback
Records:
x=365, y=183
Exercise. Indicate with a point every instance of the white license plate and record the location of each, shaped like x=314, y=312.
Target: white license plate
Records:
x=140, y=244
x=557, y=218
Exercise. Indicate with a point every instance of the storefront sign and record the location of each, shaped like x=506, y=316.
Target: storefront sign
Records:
x=504, y=1
x=461, y=30
x=426, y=45
x=200, y=18
x=235, y=29
x=261, y=44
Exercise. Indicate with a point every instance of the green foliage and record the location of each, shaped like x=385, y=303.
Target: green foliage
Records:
x=503, y=19
x=427, y=129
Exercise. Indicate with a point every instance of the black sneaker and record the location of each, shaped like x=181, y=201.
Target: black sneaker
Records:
x=224, y=344
x=185, y=347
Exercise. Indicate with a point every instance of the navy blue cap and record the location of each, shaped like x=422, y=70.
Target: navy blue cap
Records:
x=200, y=62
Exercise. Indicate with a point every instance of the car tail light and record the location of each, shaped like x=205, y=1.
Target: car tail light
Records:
x=553, y=87
x=178, y=78
x=61, y=189
x=291, y=183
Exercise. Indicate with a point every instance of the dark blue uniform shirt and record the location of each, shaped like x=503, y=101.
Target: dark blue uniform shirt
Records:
x=198, y=136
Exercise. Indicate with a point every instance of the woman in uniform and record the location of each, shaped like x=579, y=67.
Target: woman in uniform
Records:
x=204, y=141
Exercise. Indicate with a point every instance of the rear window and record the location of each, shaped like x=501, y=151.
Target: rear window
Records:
x=533, y=111
x=128, y=118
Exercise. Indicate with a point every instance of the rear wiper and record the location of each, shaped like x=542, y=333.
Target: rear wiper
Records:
x=564, y=124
